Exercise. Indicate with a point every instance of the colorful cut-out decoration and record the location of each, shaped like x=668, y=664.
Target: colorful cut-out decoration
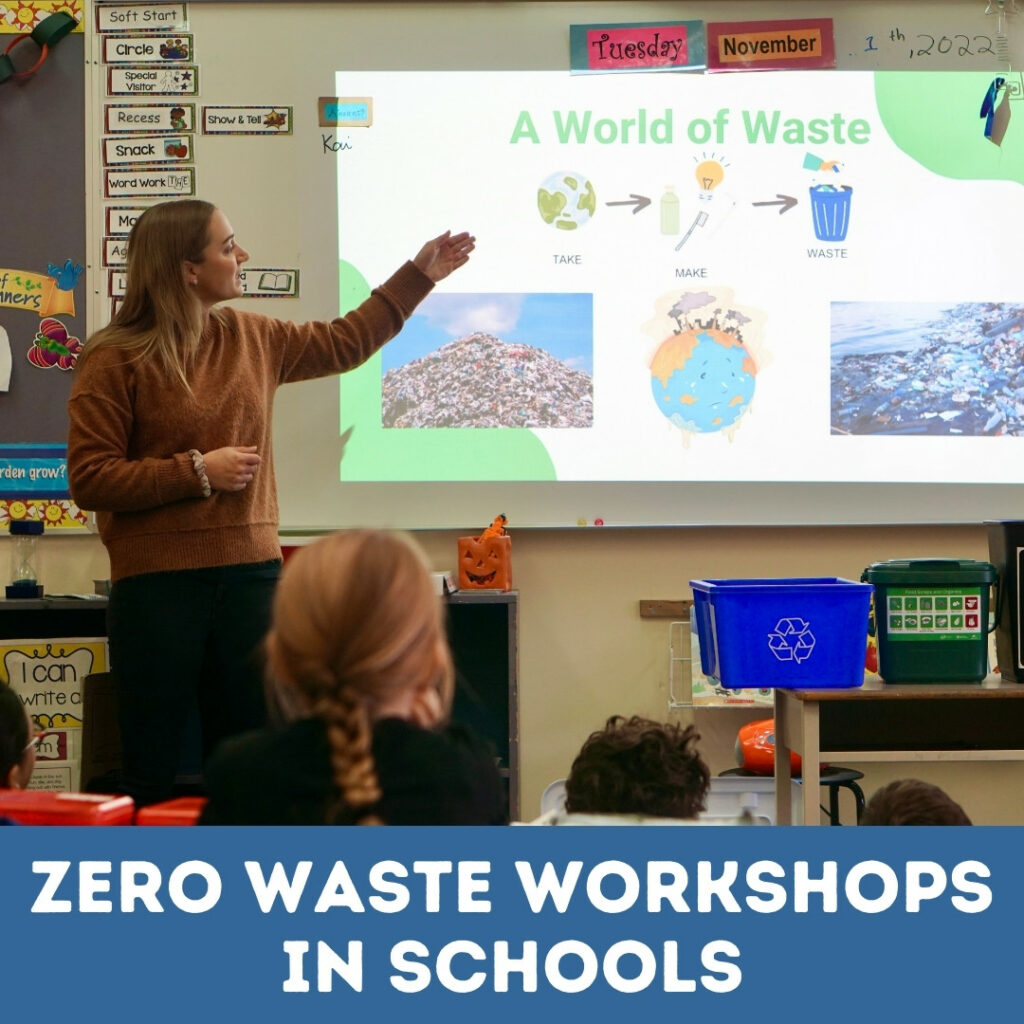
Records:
x=53, y=346
x=66, y=276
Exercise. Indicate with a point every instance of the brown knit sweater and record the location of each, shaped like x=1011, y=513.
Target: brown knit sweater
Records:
x=132, y=427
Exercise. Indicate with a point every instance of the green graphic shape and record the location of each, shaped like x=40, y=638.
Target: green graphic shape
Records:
x=934, y=118
x=373, y=454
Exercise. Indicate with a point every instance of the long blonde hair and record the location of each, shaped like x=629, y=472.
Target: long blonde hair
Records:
x=160, y=316
x=356, y=621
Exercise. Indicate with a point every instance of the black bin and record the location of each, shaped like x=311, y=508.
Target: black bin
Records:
x=1006, y=553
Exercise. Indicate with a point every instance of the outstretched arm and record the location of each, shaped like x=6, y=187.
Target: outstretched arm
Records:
x=441, y=255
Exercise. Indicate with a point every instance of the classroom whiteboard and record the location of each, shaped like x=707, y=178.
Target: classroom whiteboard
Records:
x=450, y=82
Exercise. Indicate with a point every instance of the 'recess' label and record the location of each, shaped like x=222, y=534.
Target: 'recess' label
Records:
x=934, y=613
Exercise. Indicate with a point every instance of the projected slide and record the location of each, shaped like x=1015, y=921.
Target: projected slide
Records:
x=788, y=277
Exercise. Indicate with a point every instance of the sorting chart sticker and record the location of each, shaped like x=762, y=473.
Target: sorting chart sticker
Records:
x=147, y=49
x=141, y=17
x=153, y=117
x=147, y=149
x=270, y=282
x=247, y=120
x=929, y=613
x=158, y=182
x=142, y=79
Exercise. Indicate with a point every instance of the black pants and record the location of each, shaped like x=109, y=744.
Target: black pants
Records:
x=179, y=640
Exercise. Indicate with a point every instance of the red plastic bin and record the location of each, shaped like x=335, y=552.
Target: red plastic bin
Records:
x=39, y=807
x=182, y=810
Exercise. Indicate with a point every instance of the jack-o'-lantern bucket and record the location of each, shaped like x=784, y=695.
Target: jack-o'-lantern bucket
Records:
x=485, y=562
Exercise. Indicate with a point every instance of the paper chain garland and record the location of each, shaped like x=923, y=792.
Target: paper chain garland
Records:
x=50, y=31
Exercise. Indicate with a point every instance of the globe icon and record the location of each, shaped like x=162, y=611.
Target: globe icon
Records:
x=703, y=379
x=566, y=200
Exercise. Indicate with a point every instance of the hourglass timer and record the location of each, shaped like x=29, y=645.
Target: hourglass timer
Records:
x=24, y=576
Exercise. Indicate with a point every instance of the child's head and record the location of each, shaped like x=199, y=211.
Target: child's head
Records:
x=17, y=749
x=636, y=766
x=913, y=802
x=358, y=634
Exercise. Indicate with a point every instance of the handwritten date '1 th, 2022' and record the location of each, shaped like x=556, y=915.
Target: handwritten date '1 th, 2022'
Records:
x=923, y=44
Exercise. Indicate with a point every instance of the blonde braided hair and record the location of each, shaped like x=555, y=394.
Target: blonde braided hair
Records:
x=356, y=622
x=350, y=738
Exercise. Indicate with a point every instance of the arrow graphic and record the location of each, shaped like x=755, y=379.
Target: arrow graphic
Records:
x=639, y=202
x=783, y=202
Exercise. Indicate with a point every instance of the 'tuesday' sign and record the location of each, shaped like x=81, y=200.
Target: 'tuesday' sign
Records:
x=769, y=45
x=647, y=46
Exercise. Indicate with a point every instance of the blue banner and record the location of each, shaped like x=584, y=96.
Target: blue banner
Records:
x=516, y=924
x=33, y=471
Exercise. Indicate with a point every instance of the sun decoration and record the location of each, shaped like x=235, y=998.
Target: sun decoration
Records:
x=53, y=513
x=56, y=513
x=17, y=509
x=21, y=16
x=25, y=14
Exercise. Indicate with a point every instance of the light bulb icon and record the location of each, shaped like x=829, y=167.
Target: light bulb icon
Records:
x=709, y=175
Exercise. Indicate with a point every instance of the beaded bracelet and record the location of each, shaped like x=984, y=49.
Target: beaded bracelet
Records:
x=200, y=467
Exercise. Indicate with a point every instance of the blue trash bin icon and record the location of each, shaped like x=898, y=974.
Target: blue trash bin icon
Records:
x=830, y=210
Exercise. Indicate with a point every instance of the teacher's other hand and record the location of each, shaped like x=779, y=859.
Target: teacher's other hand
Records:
x=441, y=255
x=231, y=469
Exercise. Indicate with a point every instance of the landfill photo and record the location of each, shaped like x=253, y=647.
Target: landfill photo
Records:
x=517, y=360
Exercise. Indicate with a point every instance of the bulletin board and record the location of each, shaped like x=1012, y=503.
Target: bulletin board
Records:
x=255, y=140
x=42, y=255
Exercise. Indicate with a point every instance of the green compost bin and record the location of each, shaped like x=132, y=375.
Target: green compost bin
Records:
x=931, y=618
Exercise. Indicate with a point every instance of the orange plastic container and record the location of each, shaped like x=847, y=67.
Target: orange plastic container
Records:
x=32, y=807
x=183, y=810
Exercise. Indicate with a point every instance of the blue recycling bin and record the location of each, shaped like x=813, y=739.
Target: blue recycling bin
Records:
x=799, y=632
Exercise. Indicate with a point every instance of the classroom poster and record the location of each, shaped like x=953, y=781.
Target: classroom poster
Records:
x=49, y=676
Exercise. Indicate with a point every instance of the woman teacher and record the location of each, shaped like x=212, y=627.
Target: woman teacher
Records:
x=170, y=445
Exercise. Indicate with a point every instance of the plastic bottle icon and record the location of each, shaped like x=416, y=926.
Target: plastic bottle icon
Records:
x=670, y=211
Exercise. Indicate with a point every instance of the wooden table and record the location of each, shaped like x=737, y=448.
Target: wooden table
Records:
x=889, y=722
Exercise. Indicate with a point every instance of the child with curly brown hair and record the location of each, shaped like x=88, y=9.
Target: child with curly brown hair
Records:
x=913, y=802
x=638, y=766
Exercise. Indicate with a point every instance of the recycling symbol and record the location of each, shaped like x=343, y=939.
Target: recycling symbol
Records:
x=791, y=640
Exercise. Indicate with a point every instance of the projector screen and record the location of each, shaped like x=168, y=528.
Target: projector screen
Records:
x=744, y=298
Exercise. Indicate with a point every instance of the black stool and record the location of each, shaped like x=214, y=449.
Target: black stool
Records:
x=834, y=778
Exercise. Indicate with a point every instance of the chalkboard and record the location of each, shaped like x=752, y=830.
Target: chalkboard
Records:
x=280, y=189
